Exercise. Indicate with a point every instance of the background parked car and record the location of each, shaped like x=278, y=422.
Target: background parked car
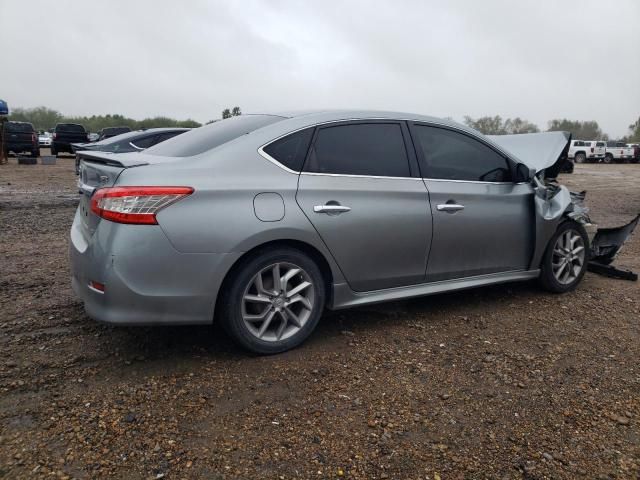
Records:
x=64, y=135
x=618, y=152
x=128, y=142
x=44, y=139
x=581, y=151
x=109, y=132
x=20, y=137
x=636, y=151
x=93, y=137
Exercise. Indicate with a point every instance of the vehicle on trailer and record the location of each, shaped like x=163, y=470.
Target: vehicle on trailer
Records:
x=109, y=132
x=127, y=142
x=20, y=137
x=64, y=134
x=618, y=152
x=44, y=139
x=259, y=222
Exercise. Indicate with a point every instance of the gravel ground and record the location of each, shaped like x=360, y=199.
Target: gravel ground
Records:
x=498, y=382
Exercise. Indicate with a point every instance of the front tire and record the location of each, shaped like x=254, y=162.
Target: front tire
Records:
x=273, y=300
x=565, y=261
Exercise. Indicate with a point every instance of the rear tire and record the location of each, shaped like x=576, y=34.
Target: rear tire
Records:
x=581, y=158
x=53, y=152
x=565, y=260
x=264, y=317
x=608, y=158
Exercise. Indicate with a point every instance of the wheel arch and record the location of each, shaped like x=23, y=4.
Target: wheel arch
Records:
x=316, y=255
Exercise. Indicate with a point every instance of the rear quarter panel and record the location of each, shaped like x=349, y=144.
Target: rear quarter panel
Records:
x=219, y=217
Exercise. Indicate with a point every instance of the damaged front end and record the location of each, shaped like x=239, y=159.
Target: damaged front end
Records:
x=554, y=201
x=545, y=154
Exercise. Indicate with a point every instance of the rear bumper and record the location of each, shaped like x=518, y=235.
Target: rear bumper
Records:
x=147, y=281
x=20, y=147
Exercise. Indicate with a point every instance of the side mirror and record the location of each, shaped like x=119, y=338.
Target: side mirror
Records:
x=524, y=173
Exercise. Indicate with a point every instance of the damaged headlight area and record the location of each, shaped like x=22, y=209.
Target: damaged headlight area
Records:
x=606, y=245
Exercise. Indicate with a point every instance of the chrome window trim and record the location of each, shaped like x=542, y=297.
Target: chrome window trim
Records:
x=471, y=181
x=268, y=157
x=348, y=175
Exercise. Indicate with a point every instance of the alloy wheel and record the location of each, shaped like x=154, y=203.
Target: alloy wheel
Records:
x=568, y=257
x=278, y=302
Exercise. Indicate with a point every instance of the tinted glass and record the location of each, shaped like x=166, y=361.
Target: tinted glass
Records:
x=70, y=127
x=210, y=136
x=292, y=149
x=166, y=136
x=144, y=142
x=453, y=156
x=599, y=144
x=19, y=127
x=375, y=149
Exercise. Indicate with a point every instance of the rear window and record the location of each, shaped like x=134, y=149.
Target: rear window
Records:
x=70, y=127
x=291, y=150
x=210, y=136
x=599, y=144
x=19, y=127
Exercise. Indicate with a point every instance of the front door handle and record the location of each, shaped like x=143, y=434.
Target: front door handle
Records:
x=331, y=209
x=449, y=207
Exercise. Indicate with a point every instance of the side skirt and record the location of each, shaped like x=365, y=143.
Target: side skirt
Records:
x=344, y=297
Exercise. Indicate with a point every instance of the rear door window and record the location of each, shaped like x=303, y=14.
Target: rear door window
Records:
x=368, y=149
x=291, y=150
x=450, y=155
x=19, y=127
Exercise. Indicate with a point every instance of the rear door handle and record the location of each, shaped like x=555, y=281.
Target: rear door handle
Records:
x=449, y=207
x=331, y=209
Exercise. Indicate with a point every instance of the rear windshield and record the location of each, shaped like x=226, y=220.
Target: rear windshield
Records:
x=70, y=127
x=210, y=136
x=599, y=144
x=19, y=127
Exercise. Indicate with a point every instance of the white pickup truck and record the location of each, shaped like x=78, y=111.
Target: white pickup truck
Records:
x=618, y=152
x=581, y=151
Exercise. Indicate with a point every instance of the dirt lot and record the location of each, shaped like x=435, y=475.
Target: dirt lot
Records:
x=500, y=382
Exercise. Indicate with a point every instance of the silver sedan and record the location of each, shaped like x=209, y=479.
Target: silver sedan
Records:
x=259, y=222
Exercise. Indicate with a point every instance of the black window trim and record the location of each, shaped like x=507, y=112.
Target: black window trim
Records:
x=423, y=164
x=414, y=169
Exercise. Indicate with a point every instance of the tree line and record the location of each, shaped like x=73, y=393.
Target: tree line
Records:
x=44, y=118
x=584, y=130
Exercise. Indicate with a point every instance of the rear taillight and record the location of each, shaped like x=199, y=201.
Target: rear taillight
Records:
x=34, y=138
x=137, y=205
x=55, y=135
x=88, y=138
x=592, y=149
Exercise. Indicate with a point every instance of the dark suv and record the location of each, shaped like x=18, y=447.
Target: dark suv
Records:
x=64, y=135
x=20, y=137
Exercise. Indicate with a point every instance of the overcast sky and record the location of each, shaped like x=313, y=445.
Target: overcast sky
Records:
x=534, y=59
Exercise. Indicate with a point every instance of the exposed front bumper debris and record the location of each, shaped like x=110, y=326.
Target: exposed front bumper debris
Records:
x=605, y=246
